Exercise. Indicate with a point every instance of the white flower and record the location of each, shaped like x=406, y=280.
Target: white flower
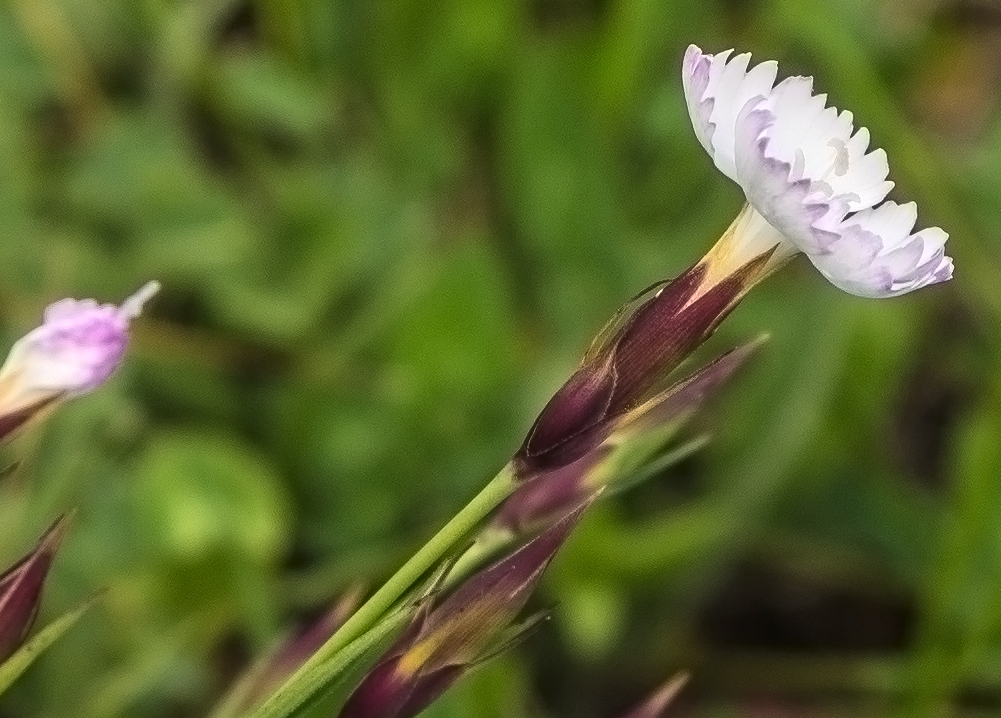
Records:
x=77, y=347
x=811, y=185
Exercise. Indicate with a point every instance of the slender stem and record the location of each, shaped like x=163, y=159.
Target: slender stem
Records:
x=488, y=544
x=498, y=489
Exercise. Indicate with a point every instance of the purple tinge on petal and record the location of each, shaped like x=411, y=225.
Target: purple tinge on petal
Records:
x=79, y=344
x=21, y=589
x=944, y=271
x=788, y=204
x=695, y=79
x=382, y=693
x=884, y=264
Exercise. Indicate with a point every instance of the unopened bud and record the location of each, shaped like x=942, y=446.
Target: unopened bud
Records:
x=21, y=589
x=75, y=350
x=470, y=626
x=629, y=361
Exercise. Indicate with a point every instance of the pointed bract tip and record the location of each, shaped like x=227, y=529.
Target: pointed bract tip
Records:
x=132, y=307
x=471, y=625
x=499, y=591
x=21, y=588
x=687, y=395
x=655, y=706
x=290, y=653
x=53, y=537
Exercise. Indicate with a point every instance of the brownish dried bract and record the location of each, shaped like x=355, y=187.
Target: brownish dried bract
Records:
x=470, y=626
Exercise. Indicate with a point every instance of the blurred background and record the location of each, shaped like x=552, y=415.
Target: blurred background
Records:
x=386, y=232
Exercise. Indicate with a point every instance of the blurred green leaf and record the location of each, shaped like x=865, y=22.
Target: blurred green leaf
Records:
x=207, y=492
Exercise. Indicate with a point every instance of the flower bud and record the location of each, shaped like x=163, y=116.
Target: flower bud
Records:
x=551, y=493
x=77, y=347
x=470, y=626
x=629, y=361
x=21, y=589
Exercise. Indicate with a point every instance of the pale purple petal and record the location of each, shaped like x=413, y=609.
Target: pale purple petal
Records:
x=787, y=204
x=695, y=79
x=716, y=90
x=77, y=347
x=810, y=174
x=877, y=256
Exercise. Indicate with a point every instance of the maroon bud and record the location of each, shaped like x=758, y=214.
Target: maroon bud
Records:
x=552, y=492
x=628, y=362
x=465, y=630
x=548, y=495
x=666, y=330
x=567, y=425
x=21, y=589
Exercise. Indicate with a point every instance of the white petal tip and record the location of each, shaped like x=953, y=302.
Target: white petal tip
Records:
x=132, y=307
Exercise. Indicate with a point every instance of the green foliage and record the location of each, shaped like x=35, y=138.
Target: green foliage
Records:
x=386, y=232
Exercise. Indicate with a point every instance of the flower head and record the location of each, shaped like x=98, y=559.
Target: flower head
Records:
x=77, y=347
x=811, y=182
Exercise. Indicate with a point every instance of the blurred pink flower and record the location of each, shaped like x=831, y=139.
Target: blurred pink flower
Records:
x=77, y=347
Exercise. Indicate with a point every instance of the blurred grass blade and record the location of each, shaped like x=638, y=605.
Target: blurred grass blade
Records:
x=960, y=592
x=17, y=664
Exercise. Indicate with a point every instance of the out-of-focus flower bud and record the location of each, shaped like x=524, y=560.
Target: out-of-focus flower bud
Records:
x=77, y=347
x=21, y=589
x=629, y=361
x=551, y=493
x=470, y=626
x=284, y=659
x=655, y=706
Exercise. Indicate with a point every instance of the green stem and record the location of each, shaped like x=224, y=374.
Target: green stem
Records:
x=487, y=545
x=498, y=489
